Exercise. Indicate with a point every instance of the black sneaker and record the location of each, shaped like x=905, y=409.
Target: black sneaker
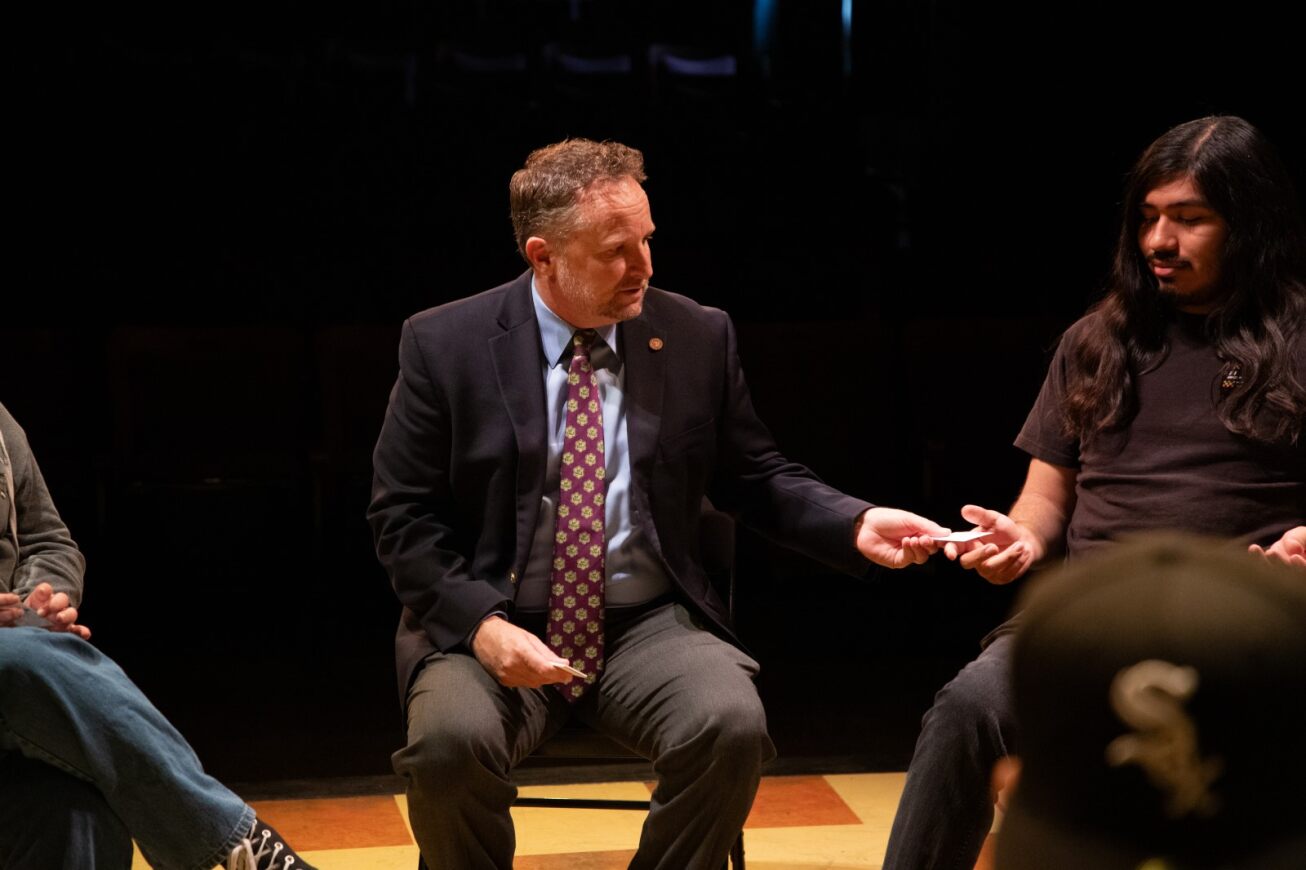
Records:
x=263, y=849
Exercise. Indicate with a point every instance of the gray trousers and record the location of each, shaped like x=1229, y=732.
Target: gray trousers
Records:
x=670, y=690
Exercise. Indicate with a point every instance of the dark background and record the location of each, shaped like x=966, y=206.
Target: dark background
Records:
x=220, y=217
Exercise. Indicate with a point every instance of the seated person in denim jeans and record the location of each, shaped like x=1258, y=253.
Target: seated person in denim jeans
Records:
x=1177, y=403
x=86, y=761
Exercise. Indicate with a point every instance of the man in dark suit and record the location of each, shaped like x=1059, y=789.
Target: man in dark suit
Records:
x=538, y=482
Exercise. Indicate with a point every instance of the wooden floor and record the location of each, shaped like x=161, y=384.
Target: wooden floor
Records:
x=798, y=823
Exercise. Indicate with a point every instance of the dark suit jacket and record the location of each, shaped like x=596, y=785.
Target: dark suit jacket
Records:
x=460, y=463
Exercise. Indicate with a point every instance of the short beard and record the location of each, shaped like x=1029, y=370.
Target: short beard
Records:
x=1211, y=299
x=582, y=299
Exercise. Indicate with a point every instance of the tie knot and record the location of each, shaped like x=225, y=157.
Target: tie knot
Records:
x=583, y=341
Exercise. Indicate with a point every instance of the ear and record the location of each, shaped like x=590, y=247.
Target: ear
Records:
x=539, y=254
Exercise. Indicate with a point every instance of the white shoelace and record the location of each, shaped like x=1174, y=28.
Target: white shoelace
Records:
x=246, y=856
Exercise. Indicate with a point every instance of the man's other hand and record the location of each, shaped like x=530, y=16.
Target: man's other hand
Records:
x=895, y=538
x=55, y=607
x=1290, y=549
x=11, y=609
x=1003, y=556
x=515, y=657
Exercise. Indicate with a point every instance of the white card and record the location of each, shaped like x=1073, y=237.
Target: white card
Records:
x=569, y=669
x=961, y=537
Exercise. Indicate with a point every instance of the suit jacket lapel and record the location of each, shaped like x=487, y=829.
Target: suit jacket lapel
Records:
x=515, y=354
x=645, y=381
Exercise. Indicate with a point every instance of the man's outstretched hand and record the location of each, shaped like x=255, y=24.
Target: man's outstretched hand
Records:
x=895, y=538
x=1002, y=556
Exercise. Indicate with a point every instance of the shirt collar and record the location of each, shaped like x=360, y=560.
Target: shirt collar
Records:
x=556, y=333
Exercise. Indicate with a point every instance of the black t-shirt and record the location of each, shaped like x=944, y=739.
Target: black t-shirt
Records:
x=1175, y=465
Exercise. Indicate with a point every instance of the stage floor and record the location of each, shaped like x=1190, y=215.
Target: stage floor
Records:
x=797, y=823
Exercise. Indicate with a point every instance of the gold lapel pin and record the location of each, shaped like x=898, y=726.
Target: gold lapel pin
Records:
x=655, y=344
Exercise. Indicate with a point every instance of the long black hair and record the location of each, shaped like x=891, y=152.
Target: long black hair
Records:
x=1263, y=271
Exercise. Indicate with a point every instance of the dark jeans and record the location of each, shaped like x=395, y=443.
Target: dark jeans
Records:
x=946, y=808
x=55, y=821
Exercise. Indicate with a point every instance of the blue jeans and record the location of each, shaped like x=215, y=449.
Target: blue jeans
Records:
x=87, y=764
x=946, y=808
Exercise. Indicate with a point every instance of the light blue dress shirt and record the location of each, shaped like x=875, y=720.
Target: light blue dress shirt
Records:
x=634, y=571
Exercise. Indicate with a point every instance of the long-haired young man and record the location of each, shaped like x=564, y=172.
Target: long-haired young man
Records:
x=1177, y=402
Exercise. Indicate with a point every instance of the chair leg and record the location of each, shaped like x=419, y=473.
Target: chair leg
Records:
x=737, y=853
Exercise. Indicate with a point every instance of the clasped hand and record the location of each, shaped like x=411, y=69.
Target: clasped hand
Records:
x=54, y=606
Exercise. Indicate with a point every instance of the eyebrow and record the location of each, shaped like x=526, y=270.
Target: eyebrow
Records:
x=1183, y=203
x=612, y=237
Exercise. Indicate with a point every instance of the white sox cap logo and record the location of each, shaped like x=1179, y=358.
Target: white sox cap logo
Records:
x=1149, y=697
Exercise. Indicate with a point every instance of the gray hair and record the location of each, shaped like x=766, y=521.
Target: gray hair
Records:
x=545, y=194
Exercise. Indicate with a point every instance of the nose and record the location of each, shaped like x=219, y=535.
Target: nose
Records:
x=1160, y=238
x=640, y=263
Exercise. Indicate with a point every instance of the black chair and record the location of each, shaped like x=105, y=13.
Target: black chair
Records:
x=579, y=746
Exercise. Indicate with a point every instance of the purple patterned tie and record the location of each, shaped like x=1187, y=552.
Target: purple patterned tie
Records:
x=579, y=544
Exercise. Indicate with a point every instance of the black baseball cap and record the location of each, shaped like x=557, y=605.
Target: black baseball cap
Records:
x=1160, y=691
